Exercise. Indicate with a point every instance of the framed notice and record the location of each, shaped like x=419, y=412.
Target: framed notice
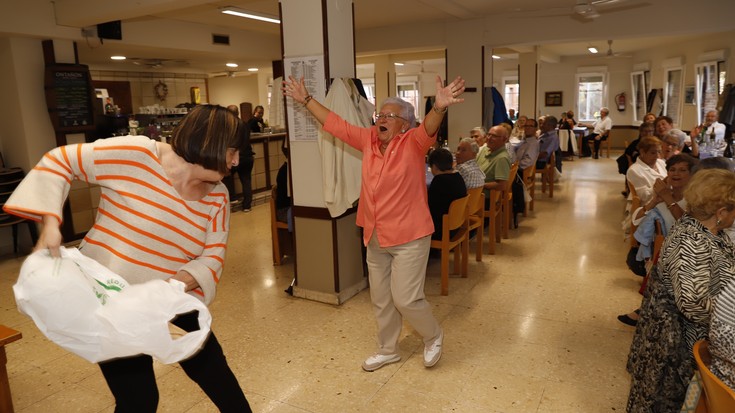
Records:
x=70, y=97
x=301, y=125
x=553, y=98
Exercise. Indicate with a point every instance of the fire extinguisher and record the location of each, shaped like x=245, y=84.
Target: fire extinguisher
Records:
x=620, y=101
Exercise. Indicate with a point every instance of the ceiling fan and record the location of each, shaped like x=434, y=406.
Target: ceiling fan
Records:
x=589, y=10
x=153, y=63
x=586, y=10
x=611, y=54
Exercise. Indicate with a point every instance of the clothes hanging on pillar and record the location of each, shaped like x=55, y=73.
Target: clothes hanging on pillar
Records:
x=443, y=133
x=341, y=163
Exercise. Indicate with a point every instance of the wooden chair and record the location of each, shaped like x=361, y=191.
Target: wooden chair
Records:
x=494, y=215
x=507, y=201
x=547, y=175
x=456, y=219
x=476, y=210
x=276, y=225
x=717, y=396
x=604, y=144
x=7, y=336
x=529, y=180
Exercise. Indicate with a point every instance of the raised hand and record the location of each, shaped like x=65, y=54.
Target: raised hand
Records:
x=296, y=89
x=449, y=95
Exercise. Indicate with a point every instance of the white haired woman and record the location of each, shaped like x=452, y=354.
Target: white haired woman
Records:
x=393, y=211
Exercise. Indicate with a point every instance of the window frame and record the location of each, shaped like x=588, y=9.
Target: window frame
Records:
x=669, y=91
x=581, y=114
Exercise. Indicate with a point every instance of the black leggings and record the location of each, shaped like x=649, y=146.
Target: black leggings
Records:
x=133, y=382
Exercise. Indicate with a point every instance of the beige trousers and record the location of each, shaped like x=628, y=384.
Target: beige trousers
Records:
x=397, y=276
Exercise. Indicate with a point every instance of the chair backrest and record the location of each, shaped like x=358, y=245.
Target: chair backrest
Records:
x=658, y=241
x=720, y=398
x=458, y=212
x=476, y=202
x=511, y=178
x=529, y=174
x=631, y=189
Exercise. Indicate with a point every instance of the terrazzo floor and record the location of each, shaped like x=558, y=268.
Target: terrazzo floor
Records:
x=531, y=329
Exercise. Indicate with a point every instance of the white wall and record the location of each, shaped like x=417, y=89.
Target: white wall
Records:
x=235, y=90
x=561, y=76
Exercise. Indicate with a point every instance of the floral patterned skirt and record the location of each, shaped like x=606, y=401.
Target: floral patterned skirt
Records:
x=660, y=361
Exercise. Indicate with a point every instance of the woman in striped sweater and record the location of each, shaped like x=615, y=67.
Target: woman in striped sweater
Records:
x=163, y=214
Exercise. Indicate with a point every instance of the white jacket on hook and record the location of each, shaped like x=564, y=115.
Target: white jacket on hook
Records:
x=341, y=163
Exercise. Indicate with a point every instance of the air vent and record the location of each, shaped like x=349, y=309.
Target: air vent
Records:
x=221, y=39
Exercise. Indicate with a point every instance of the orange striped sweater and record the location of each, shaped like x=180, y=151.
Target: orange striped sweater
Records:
x=143, y=230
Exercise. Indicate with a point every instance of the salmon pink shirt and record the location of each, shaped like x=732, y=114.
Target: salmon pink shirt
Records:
x=393, y=195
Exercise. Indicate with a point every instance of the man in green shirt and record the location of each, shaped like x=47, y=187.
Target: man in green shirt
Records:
x=495, y=162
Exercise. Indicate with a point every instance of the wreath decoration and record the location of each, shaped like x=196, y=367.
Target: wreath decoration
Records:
x=161, y=90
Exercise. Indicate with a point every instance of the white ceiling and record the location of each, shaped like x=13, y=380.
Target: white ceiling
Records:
x=370, y=15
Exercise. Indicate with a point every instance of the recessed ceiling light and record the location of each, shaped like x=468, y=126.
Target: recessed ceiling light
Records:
x=231, y=64
x=496, y=56
x=234, y=11
x=592, y=49
x=252, y=69
x=398, y=64
x=117, y=57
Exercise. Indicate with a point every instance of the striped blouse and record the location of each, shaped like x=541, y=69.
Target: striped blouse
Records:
x=144, y=229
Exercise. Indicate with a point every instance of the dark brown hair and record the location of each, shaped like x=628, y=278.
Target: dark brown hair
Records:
x=204, y=135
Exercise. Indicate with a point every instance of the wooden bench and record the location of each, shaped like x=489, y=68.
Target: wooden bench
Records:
x=7, y=336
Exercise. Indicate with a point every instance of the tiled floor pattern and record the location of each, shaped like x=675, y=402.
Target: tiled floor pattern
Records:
x=532, y=329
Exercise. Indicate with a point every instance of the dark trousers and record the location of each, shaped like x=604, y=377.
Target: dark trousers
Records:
x=133, y=383
x=519, y=200
x=586, y=145
x=244, y=171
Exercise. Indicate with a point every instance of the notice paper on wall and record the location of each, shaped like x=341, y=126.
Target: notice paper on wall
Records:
x=301, y=125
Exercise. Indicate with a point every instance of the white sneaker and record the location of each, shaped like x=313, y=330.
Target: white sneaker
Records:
x=377, y=361
x=433, y=352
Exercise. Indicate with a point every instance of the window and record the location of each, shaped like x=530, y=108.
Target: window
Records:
x=708, y=85
x=590, y=95
x=673, y=93
x=408, y=90
x=510, y=92
x=639, y=86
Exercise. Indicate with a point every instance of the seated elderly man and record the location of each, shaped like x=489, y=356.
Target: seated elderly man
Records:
x=711, y=133
x=446, y=186
x=600, y=130
x=527, y=152
x=496, y=164
x=548, y=143
x=526, y=155
x=467, y=165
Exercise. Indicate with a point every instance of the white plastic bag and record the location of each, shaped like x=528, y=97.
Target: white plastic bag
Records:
x=87, y=309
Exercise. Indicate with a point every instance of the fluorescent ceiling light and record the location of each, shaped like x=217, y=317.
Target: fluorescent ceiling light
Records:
x=592, y=49
x=234, y=11
x=117, y=57
x=398, y=64
x=231, y=64
x=252, y=69
x=496, y=56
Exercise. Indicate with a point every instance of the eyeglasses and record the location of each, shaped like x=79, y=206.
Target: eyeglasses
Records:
x=387, y=116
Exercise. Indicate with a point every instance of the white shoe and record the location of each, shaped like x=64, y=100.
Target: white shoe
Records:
x=377, y=361
x=433, y=352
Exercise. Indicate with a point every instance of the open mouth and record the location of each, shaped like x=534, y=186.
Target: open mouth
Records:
x=382, y=128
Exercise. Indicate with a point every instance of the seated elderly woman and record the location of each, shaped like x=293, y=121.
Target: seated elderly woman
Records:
x=697, y=260
x=666, y=207
x=673, y=143
x=446, y=186
x=722, y=336
x=647, y=168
